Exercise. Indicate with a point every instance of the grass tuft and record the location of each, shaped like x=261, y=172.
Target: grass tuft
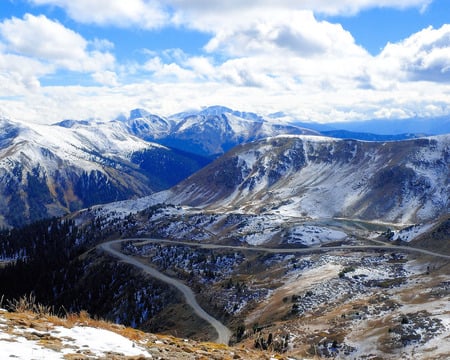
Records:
x=29, y=304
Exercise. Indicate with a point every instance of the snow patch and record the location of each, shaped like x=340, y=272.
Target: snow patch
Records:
x=18, y=344
x=411, y=232
x=310, y=235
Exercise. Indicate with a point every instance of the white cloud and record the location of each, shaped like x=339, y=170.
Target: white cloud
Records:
x=214, y=14
x=19, y=74
x=424, y=56
x=49, y=41
x=217, y=15
x=35, y=47
x=324, y=6
x=202, y=66
x=348, y=7
x=108, y=78
x=40, y=37
x=293, y=33
x=267, y=57
x=167, y=72
x=138, y=13
x=101, y=44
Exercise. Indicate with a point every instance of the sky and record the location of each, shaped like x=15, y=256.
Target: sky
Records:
x=311, y=60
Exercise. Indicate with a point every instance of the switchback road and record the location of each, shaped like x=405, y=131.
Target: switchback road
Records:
x=223, y=332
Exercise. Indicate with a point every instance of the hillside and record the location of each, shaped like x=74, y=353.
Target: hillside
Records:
x=437, y=236
x=314, y=177
x=28, y=335
x=49, y=171
x=305, y=288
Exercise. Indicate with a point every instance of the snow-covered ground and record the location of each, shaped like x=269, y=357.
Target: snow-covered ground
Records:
x=310, y=235
x=120, y=209
x=57, y=342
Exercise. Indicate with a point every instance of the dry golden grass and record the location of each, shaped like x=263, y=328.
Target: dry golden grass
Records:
x=26, y=313
x=29, y=304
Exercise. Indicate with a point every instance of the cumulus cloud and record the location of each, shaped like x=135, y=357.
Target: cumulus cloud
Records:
x=20, y=74
x=35, y=47
x=167, y=72
x=47, y=40
x=108, y=78
x=296, y=33
x=37, y=36
x=217, y=15
x=261, y=56
x=423, y=56
x=149, y=14
x=138, y=13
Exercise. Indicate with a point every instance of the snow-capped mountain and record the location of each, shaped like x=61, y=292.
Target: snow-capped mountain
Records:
x=51, y=170
x=148, y=126
x=305, y=176
x=212, y=131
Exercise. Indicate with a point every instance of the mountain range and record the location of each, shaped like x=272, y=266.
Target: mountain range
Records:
x=291, y=241
x=50, y=170
x=209, y=132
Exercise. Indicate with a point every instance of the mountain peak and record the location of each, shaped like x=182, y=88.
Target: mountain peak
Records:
x=139, y=113
x=68, y=123
x=220, y=110
x=215, y=110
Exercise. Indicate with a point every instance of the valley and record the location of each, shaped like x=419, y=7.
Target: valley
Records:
x=228, y=228
x=313, y=295
x=224, y=180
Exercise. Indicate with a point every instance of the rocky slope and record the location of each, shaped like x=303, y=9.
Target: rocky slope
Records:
x=402, y=182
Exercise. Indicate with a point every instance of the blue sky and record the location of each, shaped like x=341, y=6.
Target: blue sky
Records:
x=313, y=60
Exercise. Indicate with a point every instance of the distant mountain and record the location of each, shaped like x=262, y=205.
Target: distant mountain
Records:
x=210, y=132
x=52, y=170
x=148, y=126
x=418, y=126
x=402, y=182
x=345, y=134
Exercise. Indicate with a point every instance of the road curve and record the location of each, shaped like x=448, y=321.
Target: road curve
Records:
x=223, y=333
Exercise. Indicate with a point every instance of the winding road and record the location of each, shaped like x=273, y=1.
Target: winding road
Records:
x=223, y=333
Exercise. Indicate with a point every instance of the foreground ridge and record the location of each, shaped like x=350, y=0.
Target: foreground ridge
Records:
x=27, y=334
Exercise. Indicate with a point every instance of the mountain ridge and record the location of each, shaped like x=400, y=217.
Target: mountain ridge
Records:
x=403, y=182
x=50, y=170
